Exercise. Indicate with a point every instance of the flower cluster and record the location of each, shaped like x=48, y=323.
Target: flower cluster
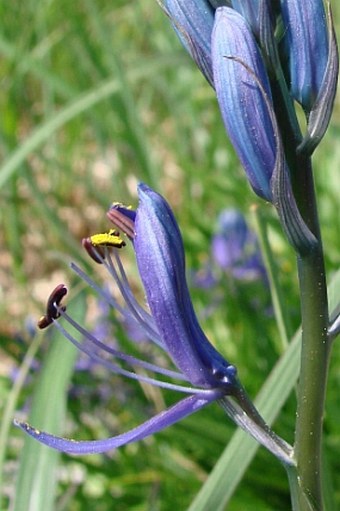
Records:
x=260, y=57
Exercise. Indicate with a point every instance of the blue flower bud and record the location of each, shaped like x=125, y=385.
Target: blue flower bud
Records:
x=244, y=96
x=321, y=111
x=306, y=43
x=193, y=22
x=249, y=9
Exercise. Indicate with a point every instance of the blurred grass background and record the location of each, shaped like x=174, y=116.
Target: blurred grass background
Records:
x=96, y=96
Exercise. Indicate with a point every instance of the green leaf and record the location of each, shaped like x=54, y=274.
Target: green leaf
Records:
x=36, y=483
x=240, y=451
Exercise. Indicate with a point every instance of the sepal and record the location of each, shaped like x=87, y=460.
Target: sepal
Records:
x=160, y=258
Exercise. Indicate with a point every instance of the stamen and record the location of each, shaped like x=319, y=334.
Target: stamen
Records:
x=53, y=307
x=93, y=245
x=120, y=355
x=107, y=239
x=127, y=313
x=93, y=252
x=142, y=317
x=124, y=218
x=118, y=370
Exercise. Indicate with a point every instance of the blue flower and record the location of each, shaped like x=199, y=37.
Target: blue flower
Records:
x=306, y=43
x=171, y=324
x=244, y=96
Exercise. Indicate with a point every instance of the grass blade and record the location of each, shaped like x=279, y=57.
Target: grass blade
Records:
x=76, y=107
x=35, y=489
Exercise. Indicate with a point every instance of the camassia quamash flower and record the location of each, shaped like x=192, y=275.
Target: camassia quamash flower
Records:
x=203, y=375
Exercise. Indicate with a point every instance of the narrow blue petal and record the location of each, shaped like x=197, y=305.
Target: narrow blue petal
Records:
x=160, y=421
x=160, y=258
x=238, y=69
x=306, y=42
x=193, y=22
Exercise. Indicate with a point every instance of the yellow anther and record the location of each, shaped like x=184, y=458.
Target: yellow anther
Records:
x=107, y=239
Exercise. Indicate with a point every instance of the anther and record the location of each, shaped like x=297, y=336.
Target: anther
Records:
x=94, y=244
x=123, y=217
x=96, y=253
x=53, y=306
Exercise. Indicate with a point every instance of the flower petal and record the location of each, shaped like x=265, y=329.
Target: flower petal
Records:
x=160, y=421
x=160, y=258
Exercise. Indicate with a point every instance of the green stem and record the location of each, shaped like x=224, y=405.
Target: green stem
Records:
x=314, y=353
x=298, y=498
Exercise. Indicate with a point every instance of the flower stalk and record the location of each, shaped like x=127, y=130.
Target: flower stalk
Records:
x=315, y=353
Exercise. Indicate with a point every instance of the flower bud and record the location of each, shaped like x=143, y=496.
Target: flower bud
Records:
x=244, y=96
x=306, y=44
x=193, y=22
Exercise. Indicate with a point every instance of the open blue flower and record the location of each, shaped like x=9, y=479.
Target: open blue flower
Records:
x=203, y=374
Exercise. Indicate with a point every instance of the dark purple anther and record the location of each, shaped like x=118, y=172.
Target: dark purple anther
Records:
x=53, y=304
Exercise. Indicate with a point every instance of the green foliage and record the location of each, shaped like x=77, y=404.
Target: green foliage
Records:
x=95, y=97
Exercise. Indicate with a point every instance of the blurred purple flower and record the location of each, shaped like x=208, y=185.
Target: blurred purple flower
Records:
x=235, y=248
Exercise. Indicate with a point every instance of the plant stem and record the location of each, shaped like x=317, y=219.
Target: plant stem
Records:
x=314, y=353
x=298, y=498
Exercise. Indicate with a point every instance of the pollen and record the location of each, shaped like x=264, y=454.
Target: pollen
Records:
x=107, y=239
